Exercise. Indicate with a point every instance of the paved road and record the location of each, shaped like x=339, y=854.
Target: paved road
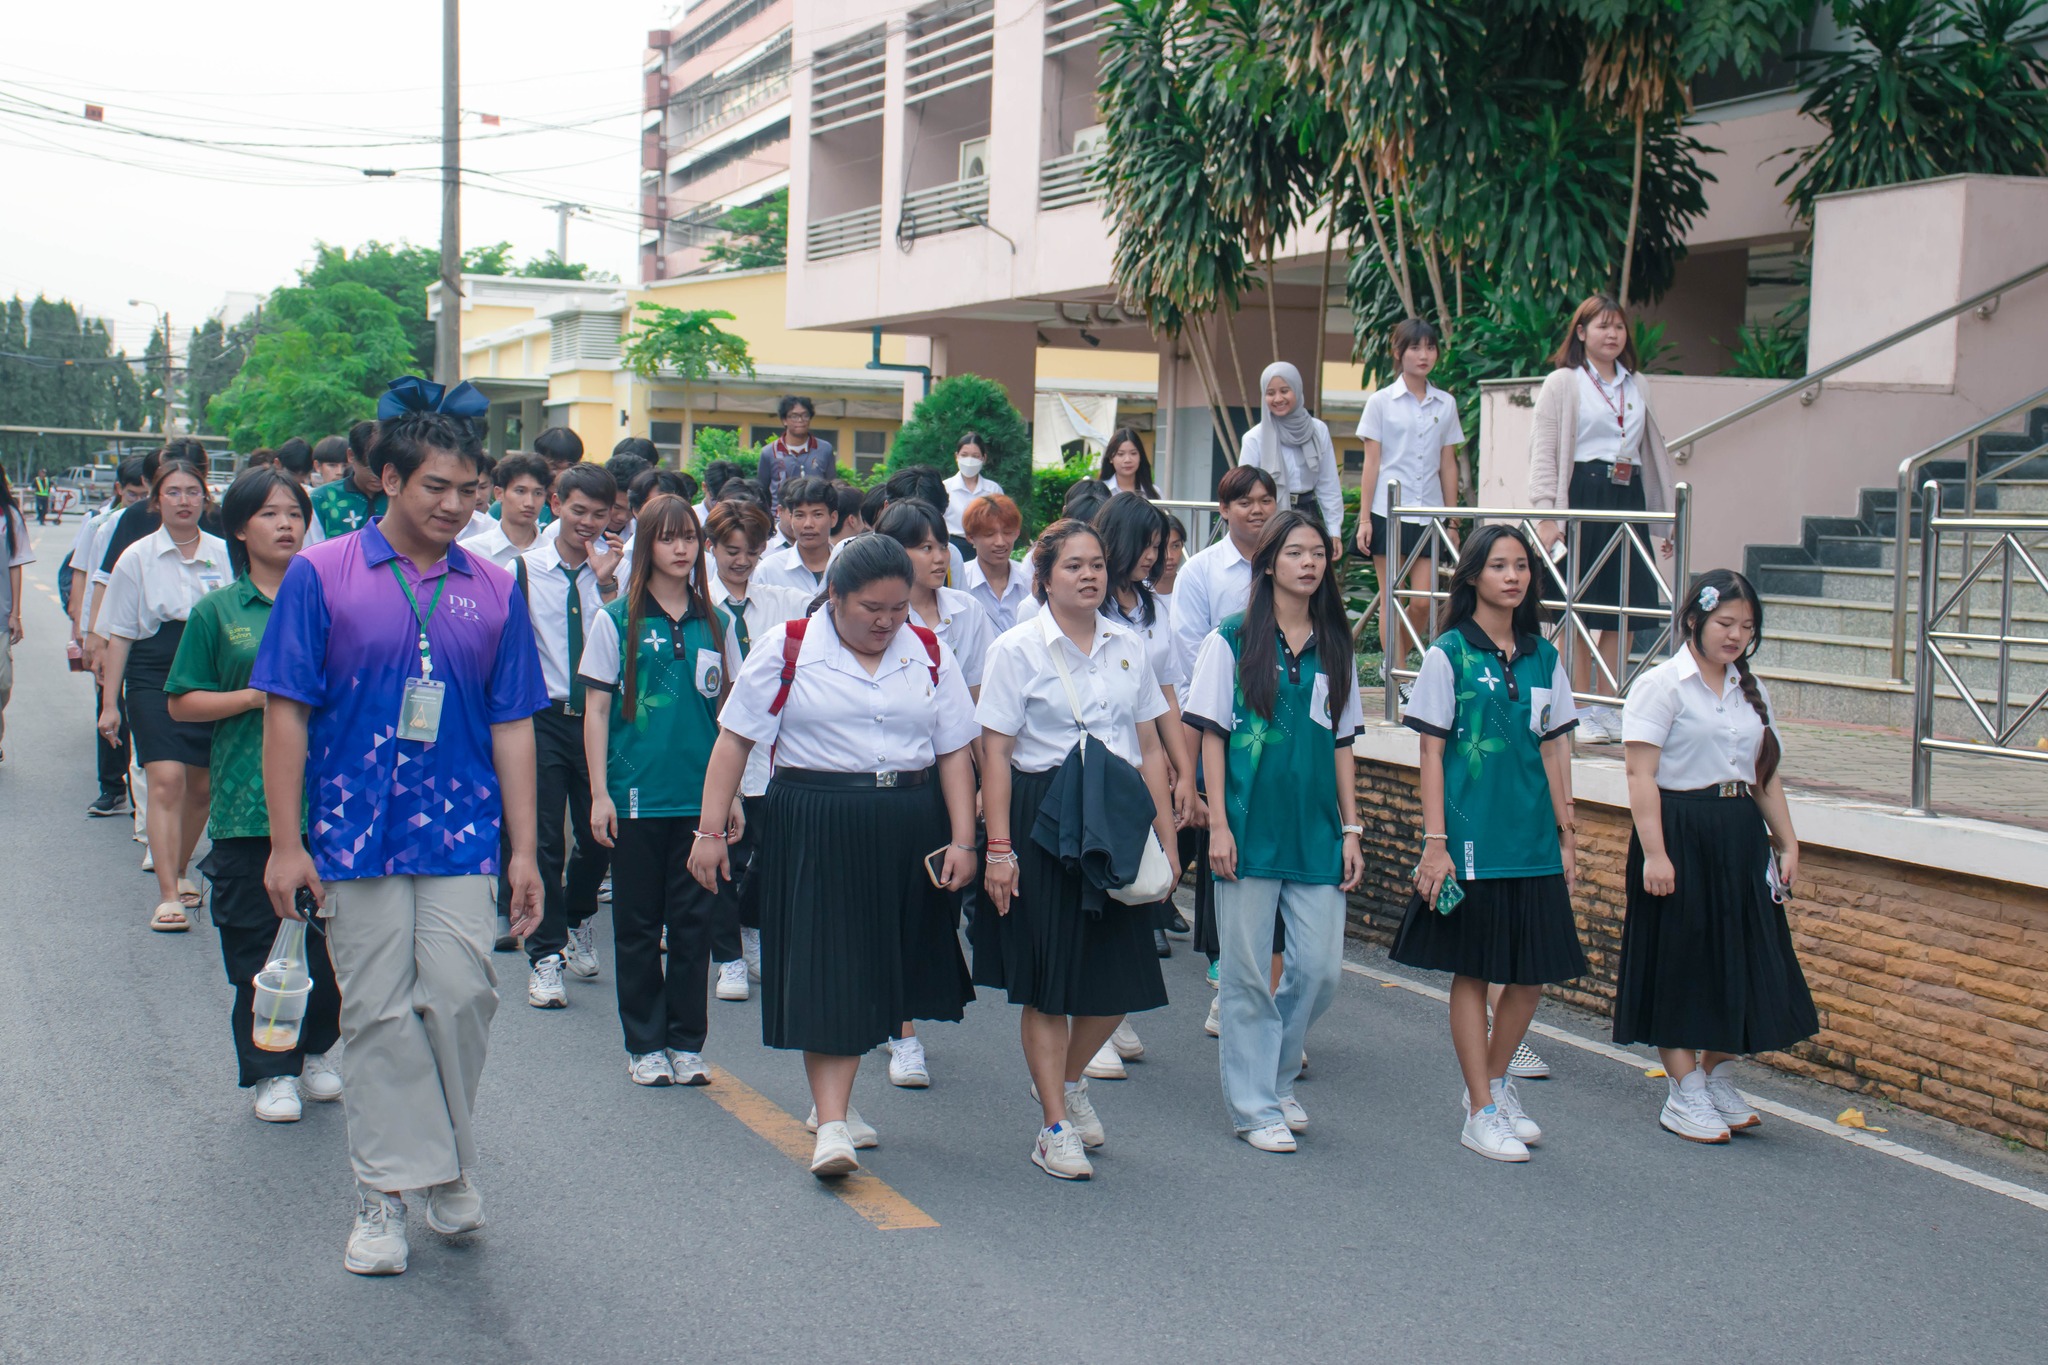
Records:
x=148, y=1217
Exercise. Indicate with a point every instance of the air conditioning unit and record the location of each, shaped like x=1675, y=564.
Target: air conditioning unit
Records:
x=974, y=158
x=1089, y=141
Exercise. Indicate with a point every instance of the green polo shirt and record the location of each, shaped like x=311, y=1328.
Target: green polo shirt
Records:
x=654, y=764
x=1280, y=788
x=340, y=507
x=1494, y=714
x=216, y=655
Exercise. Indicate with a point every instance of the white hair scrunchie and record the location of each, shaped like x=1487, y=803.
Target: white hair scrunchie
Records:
x=1710, y=597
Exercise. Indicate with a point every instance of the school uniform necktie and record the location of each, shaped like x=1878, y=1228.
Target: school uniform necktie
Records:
x=575, y=641
x=738, y=607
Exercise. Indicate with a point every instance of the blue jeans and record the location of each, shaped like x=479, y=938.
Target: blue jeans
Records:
x=1263, y=1031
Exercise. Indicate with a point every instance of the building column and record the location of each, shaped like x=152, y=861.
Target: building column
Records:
x=532, y=421
x=1006, y=352
x=496, y=426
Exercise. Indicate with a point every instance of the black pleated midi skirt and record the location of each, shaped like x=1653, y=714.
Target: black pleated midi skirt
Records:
x=1508, y=931
x=158, y=738
x=1593, y=490
x=855, y=939
x=1711, y=965
x=1048, y=952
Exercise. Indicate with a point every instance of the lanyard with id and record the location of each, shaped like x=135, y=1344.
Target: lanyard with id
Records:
x=419, y=711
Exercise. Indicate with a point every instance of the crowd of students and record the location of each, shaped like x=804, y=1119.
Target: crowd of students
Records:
x=437, y=706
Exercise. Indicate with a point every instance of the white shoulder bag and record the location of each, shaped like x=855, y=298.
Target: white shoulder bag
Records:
x=1156, y=874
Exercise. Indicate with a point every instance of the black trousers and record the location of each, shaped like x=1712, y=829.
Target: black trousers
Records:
x=739, y=904
x=652, y=889
x=112, y=758
x=568, y=894
x=247, y=924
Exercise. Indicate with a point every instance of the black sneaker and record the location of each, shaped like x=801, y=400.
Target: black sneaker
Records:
x=1162, y=943
x=1179, y=924
x=108, y=803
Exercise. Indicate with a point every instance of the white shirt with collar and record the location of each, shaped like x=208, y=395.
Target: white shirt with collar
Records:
x=1412, y=433
x=1022, y=695
x=153, y=584
x=493, y=544
x=1706, y=736
x=1211, y=585
x=102, y=540
x=1600, y=435
x=547, y=603
x=839, y=718
x=959, y=497
x=965, y=628
x=767, y=606
x=1001, y=608
x=1158, y=638
x=1298, y=471
x=479, y=524
x=956, y=567
x=785, y=569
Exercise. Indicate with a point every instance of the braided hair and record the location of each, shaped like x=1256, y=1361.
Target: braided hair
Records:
x=1708, y=592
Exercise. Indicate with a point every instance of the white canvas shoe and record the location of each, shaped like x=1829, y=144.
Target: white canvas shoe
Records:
x=833, y=1154
x=732, y=980
x=277, y=1099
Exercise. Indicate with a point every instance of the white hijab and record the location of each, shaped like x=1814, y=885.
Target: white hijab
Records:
x=1298, y=428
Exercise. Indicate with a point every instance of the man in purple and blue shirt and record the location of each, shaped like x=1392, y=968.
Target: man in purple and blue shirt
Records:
x=402, y=679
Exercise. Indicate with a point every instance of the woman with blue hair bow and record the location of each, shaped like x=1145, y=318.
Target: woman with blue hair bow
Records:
x=1295, y=448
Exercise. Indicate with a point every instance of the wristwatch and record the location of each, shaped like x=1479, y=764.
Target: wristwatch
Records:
x=1354, y=829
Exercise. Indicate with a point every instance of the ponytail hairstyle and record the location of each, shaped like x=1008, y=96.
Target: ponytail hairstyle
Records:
x=863, y=560
x=1258, y=639
x=1708, y=593
x=1464, y=600
x=665, y=517
x=1045, y=552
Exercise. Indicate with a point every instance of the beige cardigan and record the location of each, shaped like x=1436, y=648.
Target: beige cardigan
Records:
x=1557, y=434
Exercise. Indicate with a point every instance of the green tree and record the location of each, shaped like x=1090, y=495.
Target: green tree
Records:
x=323, y=356
x=553, y=267
x=58, y=369
x=1925, y=88
x=687, y=343
x=400, y=272
x=963, y=403
x=757, y=236
x=213, y=357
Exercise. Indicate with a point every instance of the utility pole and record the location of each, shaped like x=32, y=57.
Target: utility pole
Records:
x=448, y=324
x=562, y=212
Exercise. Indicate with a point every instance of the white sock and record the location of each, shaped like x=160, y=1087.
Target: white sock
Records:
x=1072, y=1086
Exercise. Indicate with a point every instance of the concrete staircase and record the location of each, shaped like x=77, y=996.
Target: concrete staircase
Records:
x=1828, y=602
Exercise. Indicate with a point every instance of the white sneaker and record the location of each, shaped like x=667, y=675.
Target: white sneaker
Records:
x=732, y=980
x=1734, y=1110
x=750, y=951
x=148, y=859
x=376, y=1244
x=604, y=888
x=1081, y=1116
x=1213, y=1025
x=582, y=954
x=277, y=1099
x=1105, y=1065
x=1600, y=725
x=833, y=1154
x=1125, y=1041
x=320, y=1079
x=1518, y=1118
x=1525, y=1065
x=1689, y=1112
x=1291, y=1113
x=1059, y=1153
x=1274, y=1137
x=544, y=984
x=858, y=1129
x=649, y=1068
x=1489, y=1134
x=907, y=1065
x=689, y=1068
x=454, y=1207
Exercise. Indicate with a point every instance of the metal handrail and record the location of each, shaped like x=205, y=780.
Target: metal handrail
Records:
x=1902, y=534
x=1568, y=579
x=1809, y=385
x=1933, y=608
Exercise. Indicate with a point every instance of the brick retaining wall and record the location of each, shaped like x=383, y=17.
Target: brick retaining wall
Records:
x=1932, y=985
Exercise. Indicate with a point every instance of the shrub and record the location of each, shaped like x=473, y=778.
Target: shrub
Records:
x=968, y=402
x=1049, y=493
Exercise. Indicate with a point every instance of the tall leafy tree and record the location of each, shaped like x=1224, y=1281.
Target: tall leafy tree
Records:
x=59, y=369
x=961, y=403
x=687, y=343
x=214, y=353
x=757, y=236
x=323, y=356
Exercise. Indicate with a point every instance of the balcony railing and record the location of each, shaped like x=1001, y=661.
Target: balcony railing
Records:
x=739, y=106
x=843, y=234
x=944, y=208
x=1068, y=180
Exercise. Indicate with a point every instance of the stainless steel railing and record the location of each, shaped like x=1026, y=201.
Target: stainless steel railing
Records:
x=1564, y=584
x=2016, y=558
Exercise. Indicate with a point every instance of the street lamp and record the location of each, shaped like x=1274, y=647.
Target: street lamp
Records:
x=165, y=318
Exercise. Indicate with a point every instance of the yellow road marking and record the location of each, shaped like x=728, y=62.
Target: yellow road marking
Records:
x=865, y=1194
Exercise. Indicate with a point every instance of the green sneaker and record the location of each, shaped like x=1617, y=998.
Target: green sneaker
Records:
x=1215, y=974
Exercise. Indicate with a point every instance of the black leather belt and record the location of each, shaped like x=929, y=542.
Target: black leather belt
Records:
x=811, y=777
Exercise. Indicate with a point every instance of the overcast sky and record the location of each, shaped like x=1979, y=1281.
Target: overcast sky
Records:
x=101, y=216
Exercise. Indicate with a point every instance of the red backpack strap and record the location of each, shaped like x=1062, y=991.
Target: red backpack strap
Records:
x=792, y=643
x=931, y=647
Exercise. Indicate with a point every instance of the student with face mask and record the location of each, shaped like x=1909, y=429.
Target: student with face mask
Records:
x=970, y=455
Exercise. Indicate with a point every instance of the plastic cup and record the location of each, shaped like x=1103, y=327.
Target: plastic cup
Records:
x=280, y=1008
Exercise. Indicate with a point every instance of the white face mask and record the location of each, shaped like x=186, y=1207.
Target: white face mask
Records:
x=970, y=467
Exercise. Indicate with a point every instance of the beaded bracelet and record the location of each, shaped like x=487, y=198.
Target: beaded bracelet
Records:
x=1001, y=860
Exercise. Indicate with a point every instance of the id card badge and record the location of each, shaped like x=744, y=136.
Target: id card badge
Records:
x=1623, y=473
x=419, y=714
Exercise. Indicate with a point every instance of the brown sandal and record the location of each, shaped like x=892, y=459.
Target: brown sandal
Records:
x=170, y=918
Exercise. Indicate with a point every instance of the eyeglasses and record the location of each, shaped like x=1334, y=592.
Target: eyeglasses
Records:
x=182, y=494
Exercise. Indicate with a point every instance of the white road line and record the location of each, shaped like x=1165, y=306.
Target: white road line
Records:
x=1912, y=1156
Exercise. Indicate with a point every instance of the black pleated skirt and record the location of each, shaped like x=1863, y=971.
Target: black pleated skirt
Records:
x=855, y=939
x=1048, y=952
x=1711, y=965
x=1593, y=491
x=1508, y=931
x=158, y=738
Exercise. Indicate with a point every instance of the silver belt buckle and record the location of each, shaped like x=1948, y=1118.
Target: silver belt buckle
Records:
x=1728, y=789
x=885, y=779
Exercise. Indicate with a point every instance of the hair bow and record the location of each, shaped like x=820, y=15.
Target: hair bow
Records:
x=1710, y=597
x=411, y=393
